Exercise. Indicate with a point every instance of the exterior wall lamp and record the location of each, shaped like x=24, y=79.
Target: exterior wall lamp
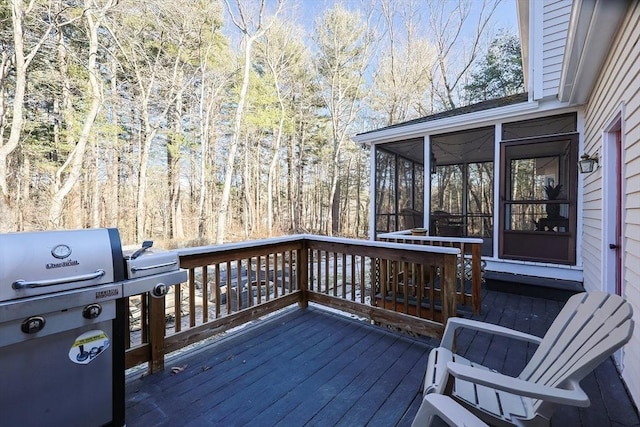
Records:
x=587, y=163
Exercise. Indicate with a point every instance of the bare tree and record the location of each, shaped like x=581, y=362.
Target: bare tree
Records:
x=404, y=73
x=282, y=52
x=94, y=15
x=213, y=79
x=252, y=29
x=456, y=52
x=19, y=61
x=153, y=56
x=344, y=52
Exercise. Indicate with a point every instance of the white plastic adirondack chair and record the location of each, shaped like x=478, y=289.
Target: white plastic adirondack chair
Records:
x=589, y=328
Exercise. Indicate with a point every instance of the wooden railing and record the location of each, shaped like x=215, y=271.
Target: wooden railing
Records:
x=232, y=284
x=469, y=263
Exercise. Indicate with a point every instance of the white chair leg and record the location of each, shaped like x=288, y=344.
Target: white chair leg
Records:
x=447, y=409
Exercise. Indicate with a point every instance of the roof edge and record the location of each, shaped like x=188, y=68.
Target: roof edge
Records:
x=593, y=26
x=458, y=117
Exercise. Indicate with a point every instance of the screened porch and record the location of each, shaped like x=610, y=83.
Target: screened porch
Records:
x=448, y=183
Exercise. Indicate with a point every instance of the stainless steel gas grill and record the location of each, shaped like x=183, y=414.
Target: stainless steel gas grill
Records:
x=62, y=323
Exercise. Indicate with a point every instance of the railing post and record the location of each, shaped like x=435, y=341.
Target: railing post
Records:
x=302, y=274
x=448, y=287
x=156, y=333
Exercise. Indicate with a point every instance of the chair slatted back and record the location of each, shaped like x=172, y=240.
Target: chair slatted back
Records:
x=590, y=327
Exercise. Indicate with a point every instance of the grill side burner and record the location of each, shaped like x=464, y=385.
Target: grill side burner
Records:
x=62, y=323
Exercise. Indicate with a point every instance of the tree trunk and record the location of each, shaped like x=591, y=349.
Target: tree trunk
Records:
x=174, y=147
x=233, y=147
x=248, y=39
x=204, y=115
x=274, y=162
x=95, y=196
x=335, y=209
x=112, y=192
x=149, y=134
x=77, y=155
x=6, y=148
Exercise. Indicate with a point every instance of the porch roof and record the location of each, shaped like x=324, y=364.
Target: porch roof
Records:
x=418, y=124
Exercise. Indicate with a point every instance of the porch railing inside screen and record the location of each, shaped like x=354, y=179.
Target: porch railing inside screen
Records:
x=232, y=284
x=468, y=266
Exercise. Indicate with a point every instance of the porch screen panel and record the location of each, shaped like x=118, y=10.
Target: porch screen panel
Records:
x=447, y=201
x=399, y=194
x=385, y=191
x=446, y=189
x=405, y=194
x=480, y=200
x=538, y=203
x=418, y=188
x=410, y=194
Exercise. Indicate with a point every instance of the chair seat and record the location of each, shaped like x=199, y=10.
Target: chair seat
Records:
x=480, y=399
x=446, y=409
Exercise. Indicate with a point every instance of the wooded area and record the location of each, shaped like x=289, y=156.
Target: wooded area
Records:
x=211, y=120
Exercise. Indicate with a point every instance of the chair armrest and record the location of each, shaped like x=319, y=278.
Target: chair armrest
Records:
x=455, y=323
x=574, y=396
x=447, y=409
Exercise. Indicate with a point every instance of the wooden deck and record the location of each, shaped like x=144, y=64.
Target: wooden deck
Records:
x=313, y=367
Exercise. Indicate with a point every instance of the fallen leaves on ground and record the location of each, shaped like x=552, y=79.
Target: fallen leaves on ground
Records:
x=177, y=369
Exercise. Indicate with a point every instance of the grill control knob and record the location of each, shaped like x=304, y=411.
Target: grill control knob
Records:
x=33, y=324
x=160, y=290
x=91, y=311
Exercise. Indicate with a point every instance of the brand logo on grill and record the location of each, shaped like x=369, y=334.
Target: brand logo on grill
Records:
x=61, y=251
x=68, y=263
x=107, y=293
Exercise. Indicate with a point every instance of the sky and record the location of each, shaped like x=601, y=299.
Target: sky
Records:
x=504, y=18
x=305, y=12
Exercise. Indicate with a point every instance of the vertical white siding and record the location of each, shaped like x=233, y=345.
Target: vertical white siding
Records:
x=556, y=15
x=617, y=84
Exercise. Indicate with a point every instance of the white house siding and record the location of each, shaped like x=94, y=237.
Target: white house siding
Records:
x=618, y=84
x=556, y=15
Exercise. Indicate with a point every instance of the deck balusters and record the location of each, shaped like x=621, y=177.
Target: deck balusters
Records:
x=245, y=282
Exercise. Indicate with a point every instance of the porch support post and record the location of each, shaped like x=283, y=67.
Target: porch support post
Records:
x=448, y=287
x=497, y=173
x=372, y=191
x=302, y=273
x=426, y=210
x=156, y=332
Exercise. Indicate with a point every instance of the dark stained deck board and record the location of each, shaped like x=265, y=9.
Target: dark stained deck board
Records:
x=223, y=363
x=315, y=364
x=341, y=371
x=322, y=386
x=369, y=392
x=312, y=367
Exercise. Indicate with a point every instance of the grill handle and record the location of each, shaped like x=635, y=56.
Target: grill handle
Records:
x=23, y=284
x=151, y=267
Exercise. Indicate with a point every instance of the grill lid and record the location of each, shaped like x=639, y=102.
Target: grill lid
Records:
x=151, y=270
x=37, y=263
x=150, y=262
